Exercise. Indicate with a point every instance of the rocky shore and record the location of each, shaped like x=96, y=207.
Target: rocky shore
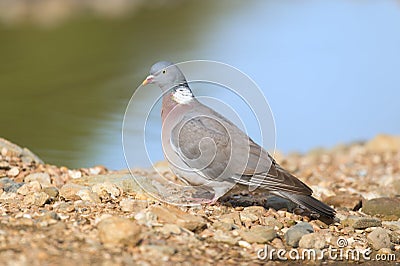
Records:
x=53, y=215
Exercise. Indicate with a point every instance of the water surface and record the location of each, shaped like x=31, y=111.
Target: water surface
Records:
x=330, y=70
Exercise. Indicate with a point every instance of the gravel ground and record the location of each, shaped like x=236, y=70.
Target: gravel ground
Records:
x=52, y=215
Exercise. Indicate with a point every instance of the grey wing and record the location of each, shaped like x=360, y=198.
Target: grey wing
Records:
x=201, y=146
x=276, y=179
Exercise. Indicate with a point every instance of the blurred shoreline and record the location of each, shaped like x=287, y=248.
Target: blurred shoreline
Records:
x=53, y=12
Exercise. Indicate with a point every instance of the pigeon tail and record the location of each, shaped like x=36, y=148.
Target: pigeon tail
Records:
x=308, y=202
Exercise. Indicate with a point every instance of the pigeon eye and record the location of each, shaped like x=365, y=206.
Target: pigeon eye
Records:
x=164, y=71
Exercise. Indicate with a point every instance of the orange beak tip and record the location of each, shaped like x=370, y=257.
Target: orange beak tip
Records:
x=148, y=80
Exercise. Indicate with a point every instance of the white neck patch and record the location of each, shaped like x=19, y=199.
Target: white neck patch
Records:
x=182, y=95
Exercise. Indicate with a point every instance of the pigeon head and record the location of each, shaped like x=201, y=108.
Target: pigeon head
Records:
x=165, y=75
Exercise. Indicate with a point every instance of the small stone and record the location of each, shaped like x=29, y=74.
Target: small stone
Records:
x=66, y=207
x=51, y=191
x=83, y=206
x=42, y=178
x=13, y=172
x=361, y=222
x=388, y=208
x=8, y=196
x=127, y=205
x=248, y=217
x=9, y=185
x=36, y=198
x=146, y=218
x=74, y=174
x=223, y=237
x=69, y=191
x=88, y=195
x=107, y=191
x=313, y=240
x=118, y=230
x=223, y=226
x=33, y=186
x=392, y=225
x=244, y=244
x=160, y=252
x=168, y=229
x=176, y=216
x=23, y=221
x=4, y=151
x=379, y=238
x=271, y=221
x=231, y=218
x=295, y=233
x=258, y=234
x=351, y=202
x=48, y=218
x=4, y=165
x=395, y=237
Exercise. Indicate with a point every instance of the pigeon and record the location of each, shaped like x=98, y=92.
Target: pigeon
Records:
x=203, y=148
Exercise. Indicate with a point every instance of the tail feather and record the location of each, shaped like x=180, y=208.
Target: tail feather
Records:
x=309, y=202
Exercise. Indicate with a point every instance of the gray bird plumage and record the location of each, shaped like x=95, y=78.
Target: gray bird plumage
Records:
x=195, y=137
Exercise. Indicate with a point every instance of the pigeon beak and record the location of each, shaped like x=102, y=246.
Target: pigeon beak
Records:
x=148, y=80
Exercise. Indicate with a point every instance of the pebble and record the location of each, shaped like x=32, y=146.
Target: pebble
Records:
x=51, y=191
x=13, y=172
x=118, y=230
x=223, y=237
x=107, y=191
x=66, y=207
x=146, y=218
x=351, y=202
x=313, y=240
x=271, y=221
x=244, y=244
x=69, y=191
x=48, y=218
x=74, y=174
x=88, y=195
x=295, y=233
x=395, y=236
x=124, y=181
x=8, y=196
x=36, y=198
x=178, y=217
x=23, y=222
x=361, y=222
x=168, y=229
x=392, y=225
x=231, y=218
x=159, y=252
x=8, y=185
x=248, y=217
x=4, y=165
x=223, y=226
x=127, y=205
x=42, y=178
x=379, y=238
x=258, y=234
x=33, y=186
x=388, y=208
